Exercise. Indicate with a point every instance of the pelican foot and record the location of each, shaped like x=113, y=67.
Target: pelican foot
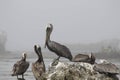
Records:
x=55, y=62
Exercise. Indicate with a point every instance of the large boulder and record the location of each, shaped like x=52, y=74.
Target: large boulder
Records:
x=74, y=71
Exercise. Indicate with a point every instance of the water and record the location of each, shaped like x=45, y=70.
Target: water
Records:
x=6, y=69
x=6, y=64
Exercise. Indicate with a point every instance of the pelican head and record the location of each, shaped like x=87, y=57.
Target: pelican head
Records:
x=92, y=57
x=48, y=32
x=38, y=48
x=24, y=55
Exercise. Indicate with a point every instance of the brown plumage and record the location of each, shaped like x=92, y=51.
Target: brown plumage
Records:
x=107, y=68
x=84, y=58
x=59, y=49
x=38, y=68
x=20, y=67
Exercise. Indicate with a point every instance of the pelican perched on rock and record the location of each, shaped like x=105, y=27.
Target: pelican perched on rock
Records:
x=21, y=66
x=57, y=48
x=107, y=68
x=38, y=68
x=84, y=58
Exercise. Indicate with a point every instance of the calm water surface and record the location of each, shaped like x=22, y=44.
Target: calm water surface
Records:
x=6, y=65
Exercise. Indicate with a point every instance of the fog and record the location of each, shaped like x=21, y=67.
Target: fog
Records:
x=75, y=21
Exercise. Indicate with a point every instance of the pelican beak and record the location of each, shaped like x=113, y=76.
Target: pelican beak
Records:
x=45, y=44
x=48, y=32
x=46, y=39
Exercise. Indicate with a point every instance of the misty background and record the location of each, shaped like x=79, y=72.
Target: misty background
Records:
x=87, y=22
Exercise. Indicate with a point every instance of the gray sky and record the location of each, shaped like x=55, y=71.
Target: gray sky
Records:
x=74, y=21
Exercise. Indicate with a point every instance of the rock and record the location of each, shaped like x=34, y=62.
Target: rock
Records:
x=74, y=71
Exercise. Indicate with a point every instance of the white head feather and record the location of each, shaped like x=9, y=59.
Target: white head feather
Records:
x=24, y=54
x=37, y=45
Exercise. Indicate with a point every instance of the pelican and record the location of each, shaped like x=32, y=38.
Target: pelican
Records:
x=21, y=66
x=106, y=68
x=84, y=58
x=57, y=48
x=38, y=68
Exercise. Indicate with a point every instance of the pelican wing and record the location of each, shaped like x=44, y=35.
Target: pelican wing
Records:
x=38, y=69
x=61, y=50
x=106, y=68
x=81, y=58
x=20, y=67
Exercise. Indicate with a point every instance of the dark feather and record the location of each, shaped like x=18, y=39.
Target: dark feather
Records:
x=81, y=58
x=20, y=67
x=59, y=49
x=38, y=68
x=106, y=68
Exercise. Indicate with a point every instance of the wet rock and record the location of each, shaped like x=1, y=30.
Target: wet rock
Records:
x=74, y=71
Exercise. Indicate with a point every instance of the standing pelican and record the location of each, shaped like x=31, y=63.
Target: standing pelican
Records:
x=58, y=49
x=21, y=66
x=84, y=58
x=38, y=68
